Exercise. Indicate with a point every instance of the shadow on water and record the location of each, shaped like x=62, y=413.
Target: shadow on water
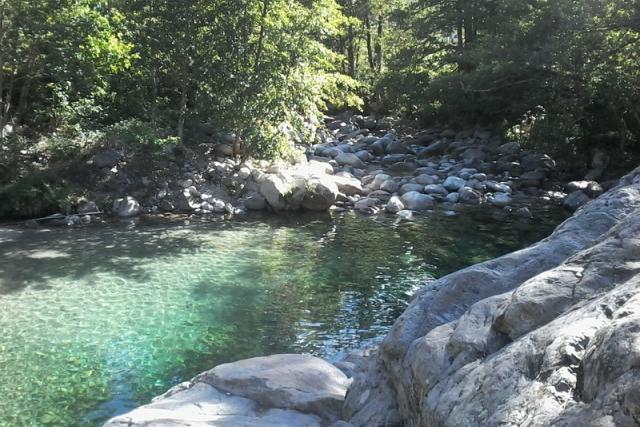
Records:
x=78, y=253
x=140, y=306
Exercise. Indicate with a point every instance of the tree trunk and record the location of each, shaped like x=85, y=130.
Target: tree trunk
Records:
x=459, y=27
x=183, y=114
x=468, y=25
x=2, y=96
x=4, y=99
x=154, y=96
x=265, y=11
x=351, y=52
x=6, y=107
x=370, y=57
x=460, y=35
x=379, y=45
x=23, y=98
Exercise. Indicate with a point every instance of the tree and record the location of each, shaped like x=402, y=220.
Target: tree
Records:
x=498, y=62
x=66, y=49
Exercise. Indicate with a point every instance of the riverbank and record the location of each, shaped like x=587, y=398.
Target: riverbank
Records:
x=547, y=335
x=358, y=163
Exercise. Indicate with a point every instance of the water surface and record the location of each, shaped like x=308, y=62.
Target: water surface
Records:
x=97, y=320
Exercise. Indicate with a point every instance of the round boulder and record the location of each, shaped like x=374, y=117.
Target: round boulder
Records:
x=417, y=201
x=453, y=183
x=126, y=207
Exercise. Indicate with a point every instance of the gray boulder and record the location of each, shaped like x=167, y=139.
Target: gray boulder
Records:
x=435, y=189
x=394, y=205
x=349, y=159
x=88, y=208
x=473, y=155
x=590, y=188
x=532, y=178
x=255, y=202
x=425, y=179
x=405, y=167
x=497, y=187
x=535, y=161
x=378, y=147
x=405, y=215
x=390, y=186
x=411, y=186
x=364, y=155
x=470, y=196
x=282, y=390
x=509, y=148
x=224, y=149
x=500, y=199
x=166, y=206
x=547, y=335
x=348, y=184
x=433, y=149
x=345, y=148
x=396, y=147
x=336, y=125
x=378, y=180
x=286, y=381
x=126, y=207
x=417, y=201
x=381, y=195
x=365, y=203
x=320, y=194
x=575, y=200
x=275, y=190
x=453, y=183
x=453, y=197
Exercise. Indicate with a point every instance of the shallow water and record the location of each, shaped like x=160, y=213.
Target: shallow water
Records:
x=97, y=320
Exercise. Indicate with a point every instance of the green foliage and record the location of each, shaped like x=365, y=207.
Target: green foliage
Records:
x=135, y=134
x=262, y=69
x=492, y=62
x=266, y=70
x=56, y=58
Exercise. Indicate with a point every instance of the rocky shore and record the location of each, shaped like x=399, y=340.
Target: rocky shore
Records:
x=372, y=166
x=548, y=335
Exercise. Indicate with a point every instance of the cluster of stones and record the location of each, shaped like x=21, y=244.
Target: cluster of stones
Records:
x=416, y=172
x=360, y=164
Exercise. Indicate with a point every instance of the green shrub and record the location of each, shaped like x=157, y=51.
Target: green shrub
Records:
x=134, y=133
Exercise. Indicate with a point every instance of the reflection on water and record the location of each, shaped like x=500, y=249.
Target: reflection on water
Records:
x=97, y=320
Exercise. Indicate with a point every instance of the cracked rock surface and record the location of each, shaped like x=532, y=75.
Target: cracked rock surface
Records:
x=549, y=335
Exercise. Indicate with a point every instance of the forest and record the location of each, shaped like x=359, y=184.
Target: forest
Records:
x=562, y=76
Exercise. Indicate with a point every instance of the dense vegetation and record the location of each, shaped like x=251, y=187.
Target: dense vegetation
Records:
x=562, y=74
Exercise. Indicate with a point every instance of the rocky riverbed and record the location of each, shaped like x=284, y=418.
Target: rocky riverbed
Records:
x=548, y=335
x=372, y=166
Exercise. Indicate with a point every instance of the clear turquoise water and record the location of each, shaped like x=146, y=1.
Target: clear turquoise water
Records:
x=95, y=321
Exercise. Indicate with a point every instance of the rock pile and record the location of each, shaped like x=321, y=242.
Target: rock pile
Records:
x=418, y=171
x=360, y=163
